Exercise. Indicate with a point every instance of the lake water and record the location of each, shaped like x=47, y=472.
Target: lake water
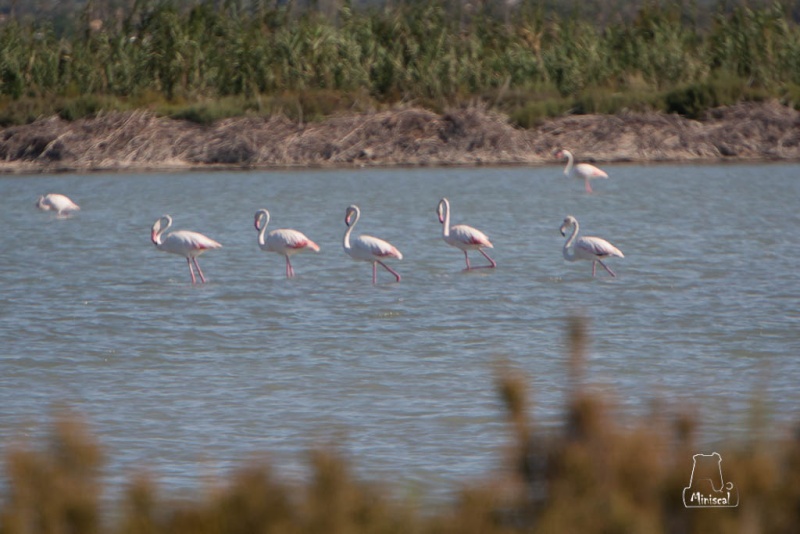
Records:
x=188, y=382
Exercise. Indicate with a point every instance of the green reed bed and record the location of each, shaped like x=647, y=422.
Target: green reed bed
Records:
x=598, y=471
x=528, y=60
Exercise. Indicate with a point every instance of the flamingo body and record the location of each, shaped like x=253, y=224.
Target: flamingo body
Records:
x=61, y=204
x=283, y=241
x=587, y=248
x=581, y=171
x=366, y=247
x=461, y=236
x=183, y=243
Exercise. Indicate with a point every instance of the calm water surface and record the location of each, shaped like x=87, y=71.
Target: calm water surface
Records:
x=190, y=382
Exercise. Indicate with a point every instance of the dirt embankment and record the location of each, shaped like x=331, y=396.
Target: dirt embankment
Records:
x=142, y=141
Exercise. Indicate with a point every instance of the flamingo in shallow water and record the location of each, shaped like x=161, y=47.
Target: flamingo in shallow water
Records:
x=284, y=241
x=62, y=204
x=462, y=236
x=584, y=171
x=368, y=248
x=587, y=248
x=182, y=242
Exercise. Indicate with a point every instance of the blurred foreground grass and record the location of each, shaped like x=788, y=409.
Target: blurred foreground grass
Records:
x=597, y=473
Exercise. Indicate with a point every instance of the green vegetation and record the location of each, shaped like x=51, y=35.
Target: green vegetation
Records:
x=596, y=473
x=209, y=59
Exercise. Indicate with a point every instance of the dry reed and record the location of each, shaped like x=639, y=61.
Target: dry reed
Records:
x=405, y=136
x=597, y=472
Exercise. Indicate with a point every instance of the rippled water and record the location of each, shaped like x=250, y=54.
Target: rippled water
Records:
x=191, y=381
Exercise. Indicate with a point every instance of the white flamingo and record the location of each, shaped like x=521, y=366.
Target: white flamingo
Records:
x=463, y=237
x=587, y=248
x=182, y=242
x=368, y=248
x=284, y=241
x=62, y=204
x=583, y=171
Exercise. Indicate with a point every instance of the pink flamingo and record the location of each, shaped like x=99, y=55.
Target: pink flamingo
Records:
x=368, y=248
x=587, y=248
x=182, y=242
x=462, y=236
x=283, y=241
x=584, y=171
x=62, y=204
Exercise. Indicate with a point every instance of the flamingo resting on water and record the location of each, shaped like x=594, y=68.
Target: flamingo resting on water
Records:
x=284, y=241
x=368, y=248
x=463, y=237
x=62, y=204
x=587, y=248
x=583, y=171
x=182, y=242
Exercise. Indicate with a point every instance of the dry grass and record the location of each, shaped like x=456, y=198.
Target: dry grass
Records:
x=406, y=136
x=597, y=473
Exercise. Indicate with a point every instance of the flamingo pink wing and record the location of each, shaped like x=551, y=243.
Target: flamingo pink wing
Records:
x=378, y=247
x=597, y=247
x=590, y=171
x=470, y=236
x=293, y=239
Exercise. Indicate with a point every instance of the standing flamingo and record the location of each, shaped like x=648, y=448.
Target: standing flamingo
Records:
x=587, y=248
x=62, y=204
x=283, y=241
x=182, y=242
x=462, y=236
x=368, y=248
x=584, y=171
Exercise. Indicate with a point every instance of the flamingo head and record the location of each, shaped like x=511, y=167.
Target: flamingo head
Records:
x=440, y=210
x=568, y=223
x=562, y=154
x=351, y=210
x=41, y=203
x=259, y=217
x=155, y=231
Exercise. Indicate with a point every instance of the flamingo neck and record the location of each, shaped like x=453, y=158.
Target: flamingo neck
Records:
x=157, y=231
x=346, y=240
x=262, y=230
x=446, y=223
x=570, y=162
x=568, y=251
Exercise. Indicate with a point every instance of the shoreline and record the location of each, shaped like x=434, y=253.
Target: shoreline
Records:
x=140, y=141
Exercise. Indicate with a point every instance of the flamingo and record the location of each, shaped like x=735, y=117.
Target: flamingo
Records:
x=62, y=204
x=368, y=248
x=182, y=242
x=584, y=171
x=587, y=248
x=282, y=241
x=462, y=236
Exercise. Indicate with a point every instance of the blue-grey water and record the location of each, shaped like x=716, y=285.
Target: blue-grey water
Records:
x=190, y=382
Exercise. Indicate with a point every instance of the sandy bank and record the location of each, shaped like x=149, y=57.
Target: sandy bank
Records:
x=140, y=140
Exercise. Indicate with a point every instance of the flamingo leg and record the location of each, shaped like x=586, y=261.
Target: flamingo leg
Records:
x=467, y=258
x=199, y=271
x=374, y=273
x=607, y=269
x=588, y=186
x=493, y=263
x=289, y=268
x=594, y=267
x=387, y=268
x=191, y=271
